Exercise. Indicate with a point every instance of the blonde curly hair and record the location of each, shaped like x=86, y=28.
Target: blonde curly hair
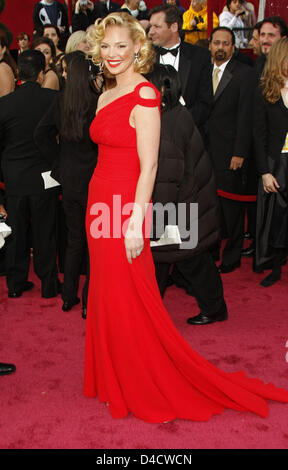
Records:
x=146, y=55
x=276, y=70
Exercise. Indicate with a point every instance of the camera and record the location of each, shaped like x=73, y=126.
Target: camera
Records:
x=83, y=2
x=198, y=19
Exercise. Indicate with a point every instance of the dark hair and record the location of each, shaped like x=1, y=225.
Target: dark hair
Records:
x=166, y=79
x=7, y=57
x=49, y=25
x=258, y=25
x=172, y=14
x=22, y=36
x=277, y=21
x=223, y=28
x=177, y=3
x=228, y=3
x=77, y=96
x=47, y=41
x=62, y=39
x=30, y=63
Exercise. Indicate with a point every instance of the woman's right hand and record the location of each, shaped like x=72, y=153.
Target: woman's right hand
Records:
x=270, y=184
x=134, y=242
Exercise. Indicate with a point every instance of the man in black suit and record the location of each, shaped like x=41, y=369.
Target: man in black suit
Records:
x=230, y=139
x=4, y=367
x=193, y=63
x=29, y=204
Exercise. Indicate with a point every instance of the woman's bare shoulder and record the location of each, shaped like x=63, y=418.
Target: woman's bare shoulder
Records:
x=5, y=68
x=51, y=80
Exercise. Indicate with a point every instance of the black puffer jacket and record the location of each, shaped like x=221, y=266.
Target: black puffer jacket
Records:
x=185, y=175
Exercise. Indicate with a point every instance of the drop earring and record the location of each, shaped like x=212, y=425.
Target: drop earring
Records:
x=101, y=67
x=136, y=57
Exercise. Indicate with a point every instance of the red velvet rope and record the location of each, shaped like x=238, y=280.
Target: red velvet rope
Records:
x=237, y=197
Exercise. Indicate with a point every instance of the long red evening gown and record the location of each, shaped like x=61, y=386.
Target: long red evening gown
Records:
x=135, y=358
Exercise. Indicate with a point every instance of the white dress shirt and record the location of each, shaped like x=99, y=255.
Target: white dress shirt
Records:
x=170, y=59
x=222, y=67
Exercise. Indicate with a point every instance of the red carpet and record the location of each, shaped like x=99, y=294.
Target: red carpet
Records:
x=42, y=406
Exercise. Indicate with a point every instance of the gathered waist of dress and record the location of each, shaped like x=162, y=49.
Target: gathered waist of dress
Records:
x=117, y=163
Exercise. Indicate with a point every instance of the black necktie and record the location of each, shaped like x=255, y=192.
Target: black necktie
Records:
x=163, y=51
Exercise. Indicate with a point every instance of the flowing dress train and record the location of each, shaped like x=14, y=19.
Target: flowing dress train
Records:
x=135, y=358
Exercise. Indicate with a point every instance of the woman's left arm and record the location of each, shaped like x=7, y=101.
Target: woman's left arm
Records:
x=146, y=121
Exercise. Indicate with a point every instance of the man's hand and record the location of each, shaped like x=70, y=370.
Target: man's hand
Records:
x=236, y=162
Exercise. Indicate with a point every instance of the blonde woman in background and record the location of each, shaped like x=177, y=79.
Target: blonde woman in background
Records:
x=77, y=42
x=271, y=144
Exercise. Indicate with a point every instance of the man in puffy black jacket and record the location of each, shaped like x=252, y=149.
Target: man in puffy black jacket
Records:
x=185, y=177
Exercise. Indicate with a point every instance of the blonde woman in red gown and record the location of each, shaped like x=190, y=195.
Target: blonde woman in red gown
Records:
x=135, y=359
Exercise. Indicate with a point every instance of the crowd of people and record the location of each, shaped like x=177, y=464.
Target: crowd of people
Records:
x=223, y=145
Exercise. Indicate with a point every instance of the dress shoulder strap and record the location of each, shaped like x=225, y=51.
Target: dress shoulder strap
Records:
x=148, y=102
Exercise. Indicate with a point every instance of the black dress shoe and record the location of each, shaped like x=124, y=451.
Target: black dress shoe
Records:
x=269, y=265
x=18, y=292
x=84, y=313
x=249, y=251
x=272, y=278
x=204, y=319
x=6, y=368
x=68, y=304
x=228, y=268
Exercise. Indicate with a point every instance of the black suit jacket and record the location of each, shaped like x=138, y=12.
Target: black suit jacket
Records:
x=259, y=65
x=101, y=10
x=270, y=128
x=195, y=76
x=21, y=161
x=230, y=122
x=80, y=21
x=74, y=162
x=1, y=197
